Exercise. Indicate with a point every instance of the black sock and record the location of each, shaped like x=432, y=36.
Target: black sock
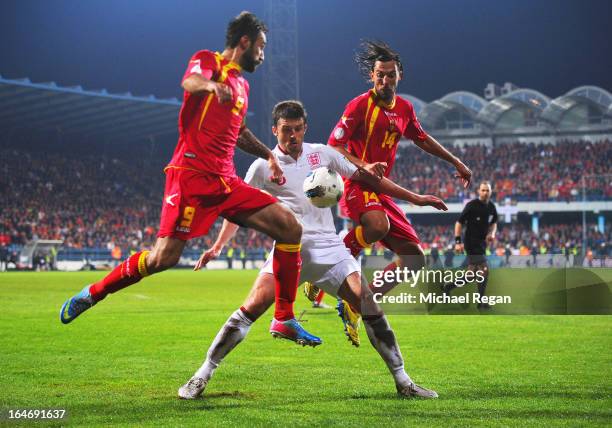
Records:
x=448, y=287
x=482, y=286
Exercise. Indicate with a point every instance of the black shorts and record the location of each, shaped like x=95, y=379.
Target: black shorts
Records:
x=476, y=259
x=476, y=252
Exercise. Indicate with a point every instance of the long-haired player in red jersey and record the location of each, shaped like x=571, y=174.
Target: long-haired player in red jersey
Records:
x=201, y=180
x=368, y=133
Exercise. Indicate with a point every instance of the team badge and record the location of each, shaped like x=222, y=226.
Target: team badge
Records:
x=314, y=160
x=338, y=133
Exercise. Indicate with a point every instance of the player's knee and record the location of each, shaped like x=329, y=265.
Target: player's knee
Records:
x=376, y=230
x=290, y=229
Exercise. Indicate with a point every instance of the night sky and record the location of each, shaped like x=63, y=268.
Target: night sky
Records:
x=143, y=46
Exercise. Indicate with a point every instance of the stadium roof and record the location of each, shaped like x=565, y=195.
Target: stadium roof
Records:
x=521, y=97
x=72, y=110
x=467, y=101
x=593, y=95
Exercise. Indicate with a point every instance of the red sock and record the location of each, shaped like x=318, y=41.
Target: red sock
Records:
x=127, y=273
x=387, y=286
x=286, y=264
x=354, y=241
x=320, y=297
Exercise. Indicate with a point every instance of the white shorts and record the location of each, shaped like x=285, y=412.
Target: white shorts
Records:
x=325, y=263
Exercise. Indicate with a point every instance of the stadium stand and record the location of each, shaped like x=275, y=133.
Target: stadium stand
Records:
x=523, y=172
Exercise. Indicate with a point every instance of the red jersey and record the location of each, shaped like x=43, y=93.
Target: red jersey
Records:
x=372, y=128
x=208, y=130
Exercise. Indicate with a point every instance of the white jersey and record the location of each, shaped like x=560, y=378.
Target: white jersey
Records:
x=317, y=223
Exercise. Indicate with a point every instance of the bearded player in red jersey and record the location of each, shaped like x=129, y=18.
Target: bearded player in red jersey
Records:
x=368, y=133
x=201, y=180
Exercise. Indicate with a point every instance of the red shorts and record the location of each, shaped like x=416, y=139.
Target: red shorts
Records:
x=193, y=200
x=359, y=199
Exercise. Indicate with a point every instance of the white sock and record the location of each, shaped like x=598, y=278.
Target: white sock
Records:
x=231, y=334
x=383, y=340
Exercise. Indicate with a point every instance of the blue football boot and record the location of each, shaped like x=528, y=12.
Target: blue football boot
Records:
x=292, y=330
x=76, y=305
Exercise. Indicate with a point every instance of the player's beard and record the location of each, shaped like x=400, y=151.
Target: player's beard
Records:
x=386, y=94
x=248, y=61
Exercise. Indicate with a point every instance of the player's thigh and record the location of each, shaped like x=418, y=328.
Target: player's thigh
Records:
x=410, y=252
x=275, y=220
x=375, y=224
x=261, y=296
x=328, y=267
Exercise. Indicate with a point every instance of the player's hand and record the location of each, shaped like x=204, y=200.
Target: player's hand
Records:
x=464, y=173
x=490, y=238
x=459, y=248
x=275, y=169
x=223, y=92
x=376, y=169
x=433, y=201
x=208, y=255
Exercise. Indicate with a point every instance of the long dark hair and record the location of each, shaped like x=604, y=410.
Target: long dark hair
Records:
x=371, y=51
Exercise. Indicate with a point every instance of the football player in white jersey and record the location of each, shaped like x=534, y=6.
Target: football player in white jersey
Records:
x=326, y=262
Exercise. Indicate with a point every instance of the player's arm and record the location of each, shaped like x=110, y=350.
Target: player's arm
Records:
x=388, y=187
x=432, y=146
x=249, y=143
x=380, y=185
x=228, y=230
x=414, y=131
x=198, y=85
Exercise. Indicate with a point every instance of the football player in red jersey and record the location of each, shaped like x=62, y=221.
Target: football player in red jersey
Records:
x=368, y=133
x=201, y=180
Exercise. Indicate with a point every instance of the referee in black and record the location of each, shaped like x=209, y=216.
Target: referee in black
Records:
x=480, y=217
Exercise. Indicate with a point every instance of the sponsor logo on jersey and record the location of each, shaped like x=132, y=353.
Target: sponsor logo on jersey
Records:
x=282, y=181
x=314, y=159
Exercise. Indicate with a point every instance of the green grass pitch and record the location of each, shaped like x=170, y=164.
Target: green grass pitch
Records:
x=122, y=362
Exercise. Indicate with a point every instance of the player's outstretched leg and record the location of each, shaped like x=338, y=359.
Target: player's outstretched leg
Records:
x=383, y=340
x=165, y=255
x=235, y=329
x=381, y=335
x=280, y=223
x=231, y=334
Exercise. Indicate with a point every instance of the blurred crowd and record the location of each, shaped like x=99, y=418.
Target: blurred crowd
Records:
x=522, y=172
x=519, y=239
x=100, y=202
x=95, y=202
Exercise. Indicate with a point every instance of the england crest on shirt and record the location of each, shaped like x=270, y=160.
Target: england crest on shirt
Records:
x=314, y=160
